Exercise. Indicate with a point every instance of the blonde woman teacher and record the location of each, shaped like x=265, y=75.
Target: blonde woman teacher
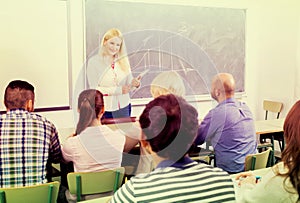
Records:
x=109, y=72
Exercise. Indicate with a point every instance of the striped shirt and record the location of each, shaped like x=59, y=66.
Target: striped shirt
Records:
x=27, y=141
x=191, y=183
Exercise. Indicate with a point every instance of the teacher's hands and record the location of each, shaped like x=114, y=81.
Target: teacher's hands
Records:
x=136, y=82
x=125, y=89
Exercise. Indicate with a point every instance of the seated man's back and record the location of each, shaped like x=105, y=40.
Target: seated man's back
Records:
x=229, y=127
x=27, y=140
x=230, y=130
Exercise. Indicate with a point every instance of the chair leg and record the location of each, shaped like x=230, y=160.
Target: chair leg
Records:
x=2, y=197
x=50, y=193
x=116, y=185
x=253, y=161
x=78, y=187
x=271, y=159
x=273, y=149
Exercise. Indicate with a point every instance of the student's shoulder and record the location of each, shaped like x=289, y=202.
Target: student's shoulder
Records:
x=211, y=171
x=42, y=119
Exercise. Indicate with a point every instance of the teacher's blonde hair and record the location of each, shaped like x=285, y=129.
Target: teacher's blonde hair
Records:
x=122, y=58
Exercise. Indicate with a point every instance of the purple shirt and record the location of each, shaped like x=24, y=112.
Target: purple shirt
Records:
x=229, y=127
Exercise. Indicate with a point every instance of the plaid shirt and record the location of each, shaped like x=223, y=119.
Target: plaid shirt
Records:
x=27, y=141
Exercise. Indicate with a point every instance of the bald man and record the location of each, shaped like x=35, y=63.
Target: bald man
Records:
x=229, y=127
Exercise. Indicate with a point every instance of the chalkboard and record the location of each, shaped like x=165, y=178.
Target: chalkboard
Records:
x=196, y=42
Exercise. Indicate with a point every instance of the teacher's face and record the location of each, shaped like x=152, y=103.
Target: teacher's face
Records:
x=113, y=45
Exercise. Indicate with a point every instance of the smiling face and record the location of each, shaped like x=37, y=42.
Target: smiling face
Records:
x=113, y=45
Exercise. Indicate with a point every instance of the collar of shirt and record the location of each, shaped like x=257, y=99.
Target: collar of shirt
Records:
x=181, y=163
x=229, y=100
x=16, y=109
x=17, y=112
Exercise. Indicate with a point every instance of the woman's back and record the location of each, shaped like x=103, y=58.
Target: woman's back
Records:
x=94, y=149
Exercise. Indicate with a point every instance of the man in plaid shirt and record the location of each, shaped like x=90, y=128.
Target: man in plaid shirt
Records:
x=27, y=140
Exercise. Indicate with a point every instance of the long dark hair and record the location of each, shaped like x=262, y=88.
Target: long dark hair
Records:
x=291, y=153
x=90, y=104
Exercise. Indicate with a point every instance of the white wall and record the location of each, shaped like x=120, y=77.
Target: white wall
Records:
x=33, y=47
x=272, y=60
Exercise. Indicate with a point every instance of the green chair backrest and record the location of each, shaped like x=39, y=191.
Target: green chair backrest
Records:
x=47, y=193
x=257, y=161
x=87, y=183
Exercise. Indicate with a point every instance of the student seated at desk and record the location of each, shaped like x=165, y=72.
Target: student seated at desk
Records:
x=282, y=182
x=229, y=127
x=168, y=82
x=93, y=147
x=27, y=140
x=169, y=126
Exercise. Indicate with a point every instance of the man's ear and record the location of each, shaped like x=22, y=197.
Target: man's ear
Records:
x=217, y=92
x=29, y=105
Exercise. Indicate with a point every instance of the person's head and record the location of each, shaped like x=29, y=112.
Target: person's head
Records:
x=113, y=44
x=168, y=82
x=19, y=94
x=222, y=87
x=169, y=126
x=291, y=153
x=90, y=108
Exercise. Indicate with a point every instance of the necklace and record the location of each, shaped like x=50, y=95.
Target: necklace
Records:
x=115, y=74
x=107, y=61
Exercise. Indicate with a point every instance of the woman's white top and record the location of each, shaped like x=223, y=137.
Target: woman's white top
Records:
x=109, y=81
x=94, y=149
x=272, y=188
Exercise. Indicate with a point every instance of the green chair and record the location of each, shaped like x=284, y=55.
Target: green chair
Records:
x=259, y=160
x=47, y=192
x=89, y=183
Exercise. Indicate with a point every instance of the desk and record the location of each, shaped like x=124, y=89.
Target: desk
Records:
x=64, y=133
x=273, y=130
x=98, y=200
x=132, y=131
x=258, y=172
x=269, y=126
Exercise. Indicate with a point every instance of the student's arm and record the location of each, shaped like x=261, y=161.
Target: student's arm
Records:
x=55, y=154
x=67, y=149
x=203, y=129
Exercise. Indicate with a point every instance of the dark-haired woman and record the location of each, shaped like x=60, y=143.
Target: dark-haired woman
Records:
x=93, y=147
x=282, y=182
